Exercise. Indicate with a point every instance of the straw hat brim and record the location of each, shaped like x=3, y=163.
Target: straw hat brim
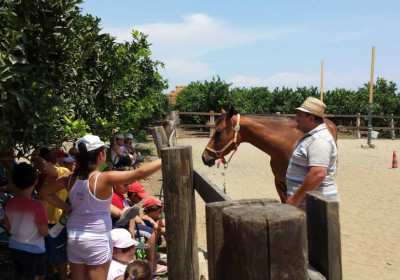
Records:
x=311, y=112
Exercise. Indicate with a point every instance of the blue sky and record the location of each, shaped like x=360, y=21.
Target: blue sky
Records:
x=262, y=43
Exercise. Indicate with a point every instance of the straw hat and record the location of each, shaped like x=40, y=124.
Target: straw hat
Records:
x=313, y=106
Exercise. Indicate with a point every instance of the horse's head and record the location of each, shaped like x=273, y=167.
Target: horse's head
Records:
x=222, y=141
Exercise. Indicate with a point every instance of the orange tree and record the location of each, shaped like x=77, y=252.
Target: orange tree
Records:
x=60, y=77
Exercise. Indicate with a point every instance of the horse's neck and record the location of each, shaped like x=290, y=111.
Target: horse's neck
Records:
x=269, y=134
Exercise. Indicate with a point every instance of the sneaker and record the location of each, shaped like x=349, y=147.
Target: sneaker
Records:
x=162, y=258
x=142, y=246
x=161, y=271
x=128, y=215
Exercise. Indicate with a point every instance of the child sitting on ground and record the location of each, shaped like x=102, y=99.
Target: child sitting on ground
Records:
x=124, y=248
x=138, y=270
x=26, y=220
x=128, y=215
x=152, y=209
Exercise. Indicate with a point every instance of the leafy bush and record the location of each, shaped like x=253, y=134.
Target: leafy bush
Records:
x=60, y=77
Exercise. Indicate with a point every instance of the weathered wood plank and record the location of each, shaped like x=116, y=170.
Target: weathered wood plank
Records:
x=180, y=213
x=216, y=251
x=324, y=242
x=208, y=191
x=265, y=242
x=160, y=138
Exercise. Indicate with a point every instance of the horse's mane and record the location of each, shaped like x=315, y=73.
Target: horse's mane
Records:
x=221, y=117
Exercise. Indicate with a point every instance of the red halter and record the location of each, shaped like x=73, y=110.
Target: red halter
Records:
x=233, y=141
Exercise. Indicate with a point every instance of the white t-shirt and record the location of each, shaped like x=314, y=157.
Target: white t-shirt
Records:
x=114, y=155
x=117, y=269
x=317, y=148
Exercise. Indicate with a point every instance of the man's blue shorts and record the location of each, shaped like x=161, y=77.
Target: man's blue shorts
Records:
x=56, y=247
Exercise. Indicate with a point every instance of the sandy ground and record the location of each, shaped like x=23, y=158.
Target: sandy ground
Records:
x=369, y=190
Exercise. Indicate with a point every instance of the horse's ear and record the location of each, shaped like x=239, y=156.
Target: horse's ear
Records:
x=223, y=111
x=232, y=112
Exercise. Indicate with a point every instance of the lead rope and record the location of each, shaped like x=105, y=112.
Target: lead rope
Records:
x=224, y=174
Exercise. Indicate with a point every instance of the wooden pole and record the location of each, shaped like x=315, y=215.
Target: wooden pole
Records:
x=180, y=213
x=212, y=122
x=322, y=80
x=371, y=84
x=371, y=90
x=323, y=228
x=265, y=242
x=216, y=251
x=358, y=122
x=160, y=138
x=392, y=132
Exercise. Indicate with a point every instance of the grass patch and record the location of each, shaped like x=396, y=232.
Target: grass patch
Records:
x=144, y=151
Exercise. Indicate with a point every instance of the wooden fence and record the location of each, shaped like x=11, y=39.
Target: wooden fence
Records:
x=246, y=239
x=357, y=128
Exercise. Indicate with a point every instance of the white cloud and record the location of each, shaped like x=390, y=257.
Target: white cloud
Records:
x=181, y=68
x=182, y=45
x=198, y=34
x=338, y=38
x=288, y=79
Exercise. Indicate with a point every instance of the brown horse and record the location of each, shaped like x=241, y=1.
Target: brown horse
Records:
x=273, y=134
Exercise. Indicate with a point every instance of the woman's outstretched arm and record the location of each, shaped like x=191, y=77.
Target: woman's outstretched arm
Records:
x=112, y=178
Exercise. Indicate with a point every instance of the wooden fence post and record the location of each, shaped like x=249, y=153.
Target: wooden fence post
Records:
x=324, y=243
x=392, y=132
x=172, y=115
x=358, y=121
x=265, y=242
x=216, y=252
x=180, y=213
x=160, y=138
x=212, y=122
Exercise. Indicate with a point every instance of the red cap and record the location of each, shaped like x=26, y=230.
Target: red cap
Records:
x=152, y=201
x=139, y=189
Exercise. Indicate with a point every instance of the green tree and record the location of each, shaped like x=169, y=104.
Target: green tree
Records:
x=36, y=44
x=60, y=77
x=202, y=97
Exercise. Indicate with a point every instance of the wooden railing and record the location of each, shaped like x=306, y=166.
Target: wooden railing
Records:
x=246, y=239
x=357, y=128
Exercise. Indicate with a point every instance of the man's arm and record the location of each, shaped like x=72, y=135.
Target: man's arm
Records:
x=44, y=167
x=48, y=193
x=312, y=181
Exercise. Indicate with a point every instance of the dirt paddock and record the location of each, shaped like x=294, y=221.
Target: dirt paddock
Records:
x=369, y=208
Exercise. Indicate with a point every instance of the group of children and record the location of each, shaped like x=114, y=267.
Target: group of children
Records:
x=148, y=226
x=123, y=153
x=90, y=198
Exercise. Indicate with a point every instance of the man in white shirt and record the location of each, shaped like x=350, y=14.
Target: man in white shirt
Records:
x=313, y=162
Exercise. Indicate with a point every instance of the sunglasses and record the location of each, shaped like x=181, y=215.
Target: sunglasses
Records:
x=124, y=250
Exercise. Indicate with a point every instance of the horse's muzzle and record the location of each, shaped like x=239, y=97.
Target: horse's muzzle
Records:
x=207, y=159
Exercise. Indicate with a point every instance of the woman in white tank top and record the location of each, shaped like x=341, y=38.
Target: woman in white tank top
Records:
x=90, y=192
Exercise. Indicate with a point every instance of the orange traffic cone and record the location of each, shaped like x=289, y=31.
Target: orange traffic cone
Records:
x=395, y=164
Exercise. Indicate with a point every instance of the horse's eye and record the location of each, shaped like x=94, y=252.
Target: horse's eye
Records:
x=218, y=132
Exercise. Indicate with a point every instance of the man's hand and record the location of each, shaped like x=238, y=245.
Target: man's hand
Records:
x=312, y=181
x=293, y=200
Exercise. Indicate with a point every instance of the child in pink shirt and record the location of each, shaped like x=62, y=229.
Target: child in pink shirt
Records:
x=26, y=220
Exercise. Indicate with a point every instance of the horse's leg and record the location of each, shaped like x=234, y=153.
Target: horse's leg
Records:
x=279, y=171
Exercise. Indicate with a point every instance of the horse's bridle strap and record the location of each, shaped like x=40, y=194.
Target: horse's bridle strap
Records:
x=233, y=141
